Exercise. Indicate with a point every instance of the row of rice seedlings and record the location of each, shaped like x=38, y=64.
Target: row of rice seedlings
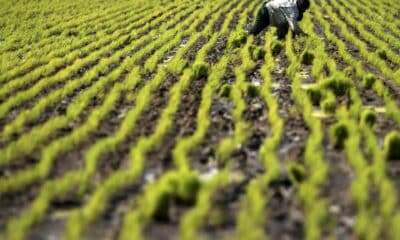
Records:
x=251, y=218
x=346, y=133
x=96, y=50
x=48, y=30
x=387, y=191
x=378, y=38
x=67, y=52
x=68, y=142
x=184, y=145
x=195, y=217
x=385, y=11
x=376, y=26
x=316, y=168
x=110, y=142
x=38, y=52
x=369, y=80
x=96, y=204
x=49, y=153
x=187, y=185
x=387, y=194
x=27, y=115
x=372, y=58
x=365, y=217
x=236, y=93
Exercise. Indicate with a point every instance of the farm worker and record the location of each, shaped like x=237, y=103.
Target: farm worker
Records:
x=281, y=14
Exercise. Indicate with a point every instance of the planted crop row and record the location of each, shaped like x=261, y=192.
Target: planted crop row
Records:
x=369, y=81
x=251, y=218
x=142, y=101
x=195, y=218
x=378, y=38
x=73, y=60
x=365, y=219
x=73, y=111
x=50, y=54
x=104, y=66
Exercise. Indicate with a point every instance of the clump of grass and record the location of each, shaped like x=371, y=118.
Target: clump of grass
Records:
x=258, y=53
x=392, y=146
x=276, y=47
x=339, y=133
x=338, y=84
x=297, y=173
x=225, y=90
x=238, y=40
x=329, y=105
x=307, y=58
x=201, y=70
x=368, y=118
x=368, y=81
x=315, y=95
x=163, y=206
x=253, y=91
x=182, y=187
x=348, y=71
x=382, y=54
x=188, y=187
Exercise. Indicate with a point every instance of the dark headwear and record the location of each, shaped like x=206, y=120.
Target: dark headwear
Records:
x=302, y=6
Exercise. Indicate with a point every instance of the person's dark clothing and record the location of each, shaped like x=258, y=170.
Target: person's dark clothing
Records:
x=283, y=14
x=262, y=20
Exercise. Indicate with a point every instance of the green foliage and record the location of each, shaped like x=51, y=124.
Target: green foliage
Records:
x=188, y=187
x=238, y=39
x=382, y=54
x=328, y=105
x=392, y=146
x=276, y=47
x=253, y=90
x=225, y=90
x=163, y=205
x=349, y=71
x=368, y=81
x=315, y=95
x=368, y=118
x=339, y=134
x=307, y=58
x=200, y=70
x=296, y=172
x=338, y=84
x=258, y=53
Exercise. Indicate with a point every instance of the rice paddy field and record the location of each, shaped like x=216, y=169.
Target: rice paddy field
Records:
x=164, y=120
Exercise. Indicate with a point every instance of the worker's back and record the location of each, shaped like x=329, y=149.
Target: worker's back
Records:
x=283, y=14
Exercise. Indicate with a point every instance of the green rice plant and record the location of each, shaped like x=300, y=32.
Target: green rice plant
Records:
x=307, y=58
x=225, y=91
x=253, y=90
x=201, y=70
x=258, y=53
x=368, y=118
x=328, y=105
x=338, y=84
x=369, y=81
x=276, y=47
x=392, y=145
x=238, y=39
x=315, y=95
x=296, y=173
x=339, y=134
